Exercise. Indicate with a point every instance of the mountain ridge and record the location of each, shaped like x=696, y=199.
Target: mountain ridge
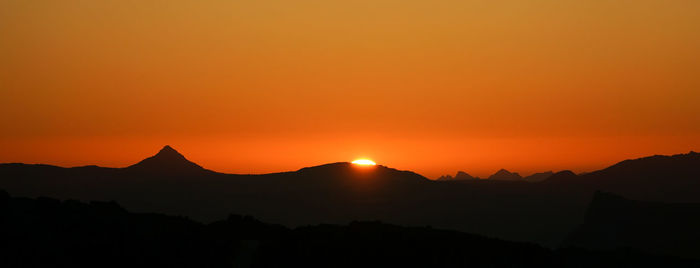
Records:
x=341, y=192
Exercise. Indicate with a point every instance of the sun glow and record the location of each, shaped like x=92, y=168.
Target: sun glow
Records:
x=364, y=162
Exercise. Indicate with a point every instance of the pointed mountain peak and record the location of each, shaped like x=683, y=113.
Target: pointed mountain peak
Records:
x=503, y=172
x=505, y=175
x=167, y=161
x=167, y=150
x=168, y=155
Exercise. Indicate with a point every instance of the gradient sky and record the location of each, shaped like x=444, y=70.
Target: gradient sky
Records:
x=431, y=86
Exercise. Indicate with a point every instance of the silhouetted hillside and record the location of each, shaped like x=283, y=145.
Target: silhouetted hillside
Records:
x=673, y=178
x=338, y=193
x=613, y=222
x=658, y=178
x=366, y=174
x=46, y=232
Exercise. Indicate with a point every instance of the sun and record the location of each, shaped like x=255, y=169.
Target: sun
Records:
x=364, y=162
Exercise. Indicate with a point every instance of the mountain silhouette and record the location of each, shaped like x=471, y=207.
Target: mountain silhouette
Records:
x=166, y=161
x=378, y=173
x=613, y=222
x=461, y=175
x=505, y=175
x=537, y=177
x=674, y=178
x=542, y=212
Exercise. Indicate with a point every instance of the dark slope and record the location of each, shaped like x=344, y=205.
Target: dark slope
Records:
x=673, y=178
x=562, y=178
x=538, y=177
x=461, y=175
x=657, y=178
x=338, y=193
x=46, y=232
x=613, y=222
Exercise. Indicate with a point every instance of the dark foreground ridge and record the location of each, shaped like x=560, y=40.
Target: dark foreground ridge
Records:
x=46, y=232
x=614, y=222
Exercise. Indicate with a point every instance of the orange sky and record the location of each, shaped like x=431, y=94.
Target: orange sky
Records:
x=431, y=86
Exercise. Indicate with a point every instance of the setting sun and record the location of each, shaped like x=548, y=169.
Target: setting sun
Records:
x=364, y=162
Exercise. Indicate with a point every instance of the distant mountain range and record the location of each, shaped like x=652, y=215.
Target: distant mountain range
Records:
x=543, y=211
x=501, y=175
x=461, y=175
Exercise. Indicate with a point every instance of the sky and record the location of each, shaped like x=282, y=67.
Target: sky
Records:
x=429, y=86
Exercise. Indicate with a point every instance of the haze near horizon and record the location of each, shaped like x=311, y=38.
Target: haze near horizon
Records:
x=429, y=86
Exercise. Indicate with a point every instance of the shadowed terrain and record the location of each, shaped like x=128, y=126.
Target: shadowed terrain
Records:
x=46, y=232
x=542, y=212
x=613, y=222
